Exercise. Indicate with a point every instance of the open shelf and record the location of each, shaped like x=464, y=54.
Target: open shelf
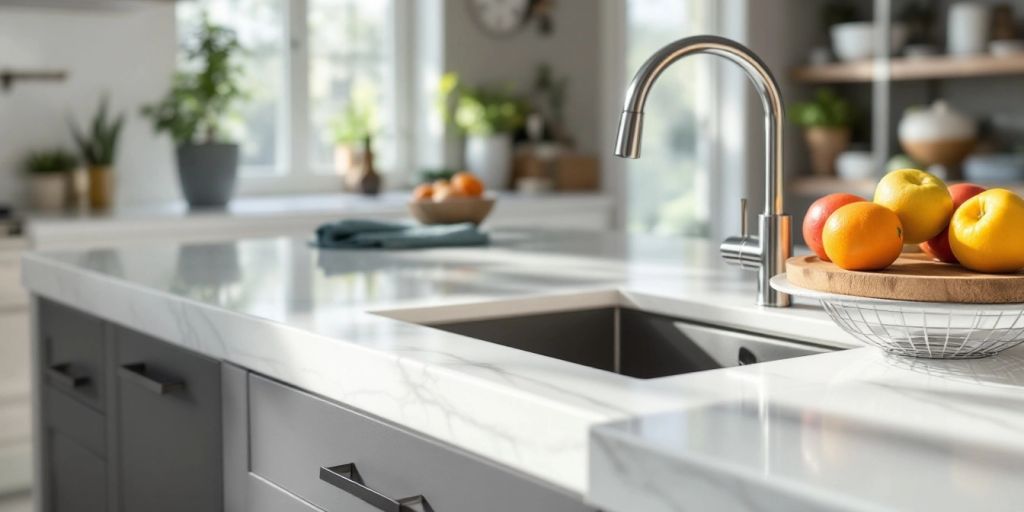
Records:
x=919, y=68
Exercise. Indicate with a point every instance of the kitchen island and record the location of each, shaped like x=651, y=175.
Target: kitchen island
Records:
x=300, y=334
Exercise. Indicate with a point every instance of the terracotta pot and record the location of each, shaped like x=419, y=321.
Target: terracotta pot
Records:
x=48, y=191
x=825, y=144
x=348, y=163
x=101, y=187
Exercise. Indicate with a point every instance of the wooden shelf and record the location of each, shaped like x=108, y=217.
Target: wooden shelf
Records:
x=817, y=186
x=920, y=68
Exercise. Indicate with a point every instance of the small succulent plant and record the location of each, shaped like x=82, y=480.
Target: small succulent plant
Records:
x=51, y=161
x=98, y=146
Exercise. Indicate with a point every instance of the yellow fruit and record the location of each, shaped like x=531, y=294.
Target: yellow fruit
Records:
x=987, y=232
x=921, y=201
x=863, y=236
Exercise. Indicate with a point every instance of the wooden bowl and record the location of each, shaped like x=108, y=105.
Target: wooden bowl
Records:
x=452, y=211
x=949, y=153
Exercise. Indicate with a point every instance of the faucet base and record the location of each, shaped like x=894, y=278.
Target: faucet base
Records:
x=776, y=247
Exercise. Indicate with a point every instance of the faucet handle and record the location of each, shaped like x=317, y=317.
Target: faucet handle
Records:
x=744, y=227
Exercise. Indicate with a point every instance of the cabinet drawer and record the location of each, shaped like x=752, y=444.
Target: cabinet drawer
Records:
x=77, y=477
x=169, y=421
x=294, y=434
x=75, y=421
x=75, y=352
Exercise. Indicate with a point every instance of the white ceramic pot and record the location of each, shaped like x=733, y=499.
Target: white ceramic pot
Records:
x=490, y=158
x=48, y=191
x=936, y=122
x=967, y=30
x=856, y=40
x=937, y=135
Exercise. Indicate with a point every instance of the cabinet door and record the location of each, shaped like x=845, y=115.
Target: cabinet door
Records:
x=169, y=427
x=75, y=352
x=78, y=477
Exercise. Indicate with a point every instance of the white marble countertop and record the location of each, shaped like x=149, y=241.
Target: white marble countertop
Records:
x=341, y=324
x=259, y=216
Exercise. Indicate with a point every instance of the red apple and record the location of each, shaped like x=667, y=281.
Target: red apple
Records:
x=938, y=247
x=818, y=213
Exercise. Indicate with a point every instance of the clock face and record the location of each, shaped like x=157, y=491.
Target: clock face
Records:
x=500, y=17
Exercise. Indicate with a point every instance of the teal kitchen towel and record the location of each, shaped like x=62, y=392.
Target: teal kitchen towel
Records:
x=371, y=234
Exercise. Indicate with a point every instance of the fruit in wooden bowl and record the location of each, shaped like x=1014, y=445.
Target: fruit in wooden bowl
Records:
x=460, y=199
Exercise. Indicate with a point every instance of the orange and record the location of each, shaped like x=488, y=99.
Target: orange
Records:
x=467, y=184
x=863, y=236
x=423, y=192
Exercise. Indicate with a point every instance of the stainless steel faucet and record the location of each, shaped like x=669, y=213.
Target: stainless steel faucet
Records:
x=768, y=251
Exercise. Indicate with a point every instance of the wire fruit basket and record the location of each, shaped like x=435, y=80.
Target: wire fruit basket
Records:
x=935, y=330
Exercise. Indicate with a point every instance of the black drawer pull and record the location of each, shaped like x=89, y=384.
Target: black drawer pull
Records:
x=346, y=477
x=62, y=374
x=136, y=372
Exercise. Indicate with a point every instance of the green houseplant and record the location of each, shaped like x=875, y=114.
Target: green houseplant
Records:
x=488, y=117
x=49, y=172
x=826, y=121
x=194, y=110
x=98, y=148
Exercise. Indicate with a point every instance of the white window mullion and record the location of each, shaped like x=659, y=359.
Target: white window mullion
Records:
x=297, y=90
x=402, y=87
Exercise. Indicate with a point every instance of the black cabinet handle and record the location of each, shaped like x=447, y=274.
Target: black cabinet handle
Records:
x=137, y=373
x=62, y=374
x=346, y=477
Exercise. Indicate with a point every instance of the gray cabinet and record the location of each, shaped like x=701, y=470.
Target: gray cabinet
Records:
x=169, y=429
x=341, y=460
x=130, y=423
x=78, y=477
x=160, y=428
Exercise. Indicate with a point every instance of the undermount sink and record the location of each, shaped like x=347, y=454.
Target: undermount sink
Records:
x=629, y=341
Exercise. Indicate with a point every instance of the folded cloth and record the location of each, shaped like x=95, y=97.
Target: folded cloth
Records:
x=368, y=234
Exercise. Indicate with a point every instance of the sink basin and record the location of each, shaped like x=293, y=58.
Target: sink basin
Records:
x=629, y=341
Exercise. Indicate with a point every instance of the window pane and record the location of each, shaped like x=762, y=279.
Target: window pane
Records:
x=351, y=69
x=260, y=25
x=667, y=190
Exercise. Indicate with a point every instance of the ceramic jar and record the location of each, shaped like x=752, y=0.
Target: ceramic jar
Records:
x=937, y=135
x=967, y=31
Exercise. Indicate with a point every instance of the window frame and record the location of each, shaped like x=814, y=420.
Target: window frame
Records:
x=293, y=171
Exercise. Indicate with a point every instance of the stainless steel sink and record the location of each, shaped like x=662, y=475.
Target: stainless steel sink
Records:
x=630, y=342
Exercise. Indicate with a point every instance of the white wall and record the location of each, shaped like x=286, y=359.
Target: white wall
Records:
x=572, y=51
x=128, y=52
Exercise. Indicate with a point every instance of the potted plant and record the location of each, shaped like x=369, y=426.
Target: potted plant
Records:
x=98, y=148
x=488, y=117
x=192, y=113
x=354, y=130
x=826, y=121
x=48, y=173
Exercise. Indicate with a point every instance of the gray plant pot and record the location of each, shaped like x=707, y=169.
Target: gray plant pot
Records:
x=207, y=173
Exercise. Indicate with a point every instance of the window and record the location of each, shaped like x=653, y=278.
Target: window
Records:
x=306, y=62
x=667, y=191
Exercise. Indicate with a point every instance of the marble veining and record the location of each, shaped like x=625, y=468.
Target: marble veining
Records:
x=344, y=324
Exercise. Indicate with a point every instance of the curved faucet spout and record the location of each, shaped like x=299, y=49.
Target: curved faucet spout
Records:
x=768, y=251
x=627, y=143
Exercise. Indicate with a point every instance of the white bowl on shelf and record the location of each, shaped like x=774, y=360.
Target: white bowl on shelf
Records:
x=855, y=165
x=855, y=40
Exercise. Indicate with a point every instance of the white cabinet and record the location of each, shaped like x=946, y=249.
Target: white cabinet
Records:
x=15, y=401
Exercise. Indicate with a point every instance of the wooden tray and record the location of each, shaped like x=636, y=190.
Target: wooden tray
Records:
x=911, y=277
